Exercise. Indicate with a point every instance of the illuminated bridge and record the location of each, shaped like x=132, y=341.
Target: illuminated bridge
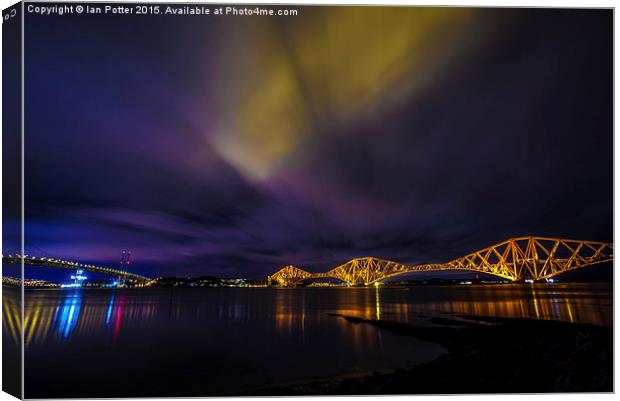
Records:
x=65, y=264
x=516, y=259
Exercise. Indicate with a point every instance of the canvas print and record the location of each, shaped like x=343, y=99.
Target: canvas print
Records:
x=263, y=200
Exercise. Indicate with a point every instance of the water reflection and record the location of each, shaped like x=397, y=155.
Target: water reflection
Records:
x=571, y=303
x=11, y=314
x=118, y=317
x=378, y=302
x=166, y=338
x=108, y=315
x=66, y=316
x=57, y=316
x=583, y=303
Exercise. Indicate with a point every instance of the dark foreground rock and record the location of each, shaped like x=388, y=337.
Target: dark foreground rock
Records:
x=487, y=355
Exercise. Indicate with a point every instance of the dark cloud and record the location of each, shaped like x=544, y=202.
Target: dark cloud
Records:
x=126, y=144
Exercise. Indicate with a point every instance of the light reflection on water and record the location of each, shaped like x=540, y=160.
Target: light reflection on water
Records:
x=53, y=314
x=66, y=316
x=255, y=334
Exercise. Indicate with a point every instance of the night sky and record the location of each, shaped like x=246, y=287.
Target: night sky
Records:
x=232, y=146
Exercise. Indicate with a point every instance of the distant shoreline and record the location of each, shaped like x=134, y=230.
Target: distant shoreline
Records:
x=413, y=285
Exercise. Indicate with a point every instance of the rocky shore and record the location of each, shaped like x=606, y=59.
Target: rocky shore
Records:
x=486, y=355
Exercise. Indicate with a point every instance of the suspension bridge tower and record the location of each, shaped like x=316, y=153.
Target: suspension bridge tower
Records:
x=125, y=264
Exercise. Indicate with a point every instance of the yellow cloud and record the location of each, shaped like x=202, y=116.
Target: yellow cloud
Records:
x=283, y=79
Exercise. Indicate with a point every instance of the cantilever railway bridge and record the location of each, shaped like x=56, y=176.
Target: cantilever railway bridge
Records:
x=516, y=259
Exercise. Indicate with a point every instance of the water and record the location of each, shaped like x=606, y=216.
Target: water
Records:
x=208, y=341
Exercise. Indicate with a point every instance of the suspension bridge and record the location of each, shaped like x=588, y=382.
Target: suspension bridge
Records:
x=516, y=259
x=72, y=265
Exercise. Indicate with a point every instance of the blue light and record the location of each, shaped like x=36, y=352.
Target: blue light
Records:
x=69, y=314
x=108, y=315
